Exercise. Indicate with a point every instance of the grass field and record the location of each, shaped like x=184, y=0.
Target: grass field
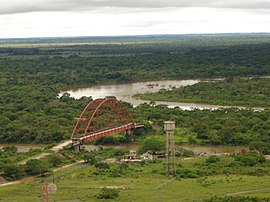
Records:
x=140, y=183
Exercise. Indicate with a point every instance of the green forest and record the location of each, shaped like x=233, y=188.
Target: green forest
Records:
x=250, y=92
x=33, y=74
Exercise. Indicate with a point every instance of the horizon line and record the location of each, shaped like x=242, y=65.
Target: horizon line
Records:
x=131, y=35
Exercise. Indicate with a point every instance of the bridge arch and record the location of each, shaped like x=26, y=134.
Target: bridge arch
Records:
x=102, y=117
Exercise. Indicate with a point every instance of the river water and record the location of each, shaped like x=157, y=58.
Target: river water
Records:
x=197, y=149
x=22, y=147
x=125, y=92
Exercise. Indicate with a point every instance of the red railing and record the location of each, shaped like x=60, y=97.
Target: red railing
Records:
x=102, y=117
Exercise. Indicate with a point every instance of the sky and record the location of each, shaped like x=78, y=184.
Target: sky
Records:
x=59, y=18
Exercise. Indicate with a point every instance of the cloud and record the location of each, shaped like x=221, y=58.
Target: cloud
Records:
x=25, y=6
x=161, y=21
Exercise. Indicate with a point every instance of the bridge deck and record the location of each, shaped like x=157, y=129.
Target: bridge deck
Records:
x=93, y=136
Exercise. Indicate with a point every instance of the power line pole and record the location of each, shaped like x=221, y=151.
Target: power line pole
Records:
x=45, y=191
x=169, y=127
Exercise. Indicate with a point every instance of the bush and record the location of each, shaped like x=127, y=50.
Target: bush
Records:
x=35, y=166
x=151, y=144
x=13, y=172
x=213, y=159
x=263, y=147
x=10, y=149
x=250, y=159
x=107, y=193
x=187, y=173
x=55, y=160
x=89, y=158
x=102, y=165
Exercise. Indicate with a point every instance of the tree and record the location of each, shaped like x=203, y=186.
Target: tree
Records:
x=250, y=159
x=13, y=172
x=35, y=166
x=55, y=160
x=89, y=158
x=152, y=144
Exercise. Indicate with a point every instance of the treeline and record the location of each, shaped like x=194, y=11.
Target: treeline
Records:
x=250, y=92
x=122, y=63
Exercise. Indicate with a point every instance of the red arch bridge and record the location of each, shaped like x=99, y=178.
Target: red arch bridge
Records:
x=101, y=117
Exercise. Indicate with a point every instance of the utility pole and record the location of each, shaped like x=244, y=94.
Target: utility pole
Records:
x=169, y=127
x=45, y=191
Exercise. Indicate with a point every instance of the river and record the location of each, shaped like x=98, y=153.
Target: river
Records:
x=22, y=147
x=197, y=149
x=126, y=91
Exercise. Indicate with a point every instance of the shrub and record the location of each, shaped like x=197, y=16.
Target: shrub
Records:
x=13, y=172
x=35, y=166
x=250, y=159
x=213, y=159
x=89, y=158
x=107, y=193
x=151, y=144
x=263, y=147
x=55, y=160
x=10, y=149
x=102, y=165
x=187, y=173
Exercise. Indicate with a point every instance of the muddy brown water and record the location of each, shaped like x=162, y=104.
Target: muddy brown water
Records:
x=23, y=147
x=198, y=149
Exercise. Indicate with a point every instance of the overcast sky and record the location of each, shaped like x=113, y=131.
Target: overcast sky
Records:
x=47, y=18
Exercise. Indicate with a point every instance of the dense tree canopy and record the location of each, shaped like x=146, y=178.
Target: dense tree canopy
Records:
x=32, y=75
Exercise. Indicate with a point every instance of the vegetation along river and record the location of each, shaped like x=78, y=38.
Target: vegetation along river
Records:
x=125, y=92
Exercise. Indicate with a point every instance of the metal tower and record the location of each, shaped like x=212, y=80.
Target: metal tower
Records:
x=169, y=127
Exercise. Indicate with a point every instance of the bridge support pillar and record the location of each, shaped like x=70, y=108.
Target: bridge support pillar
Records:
x=129, y=135
x=77, y=148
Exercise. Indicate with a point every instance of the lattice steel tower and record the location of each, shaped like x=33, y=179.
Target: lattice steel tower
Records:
x=169, y=127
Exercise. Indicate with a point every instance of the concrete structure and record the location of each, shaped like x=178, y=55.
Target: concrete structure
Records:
x=169, y=127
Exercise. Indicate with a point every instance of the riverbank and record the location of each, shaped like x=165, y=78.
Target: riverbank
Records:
x=232, y=92
x=138, y=93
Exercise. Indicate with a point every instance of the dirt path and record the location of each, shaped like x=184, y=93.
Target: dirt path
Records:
x=166, y=183
x=39, y=156
x=42, y=155
x=233, y=193
x=246, y=192
x=31, y=178
x=61, y=145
